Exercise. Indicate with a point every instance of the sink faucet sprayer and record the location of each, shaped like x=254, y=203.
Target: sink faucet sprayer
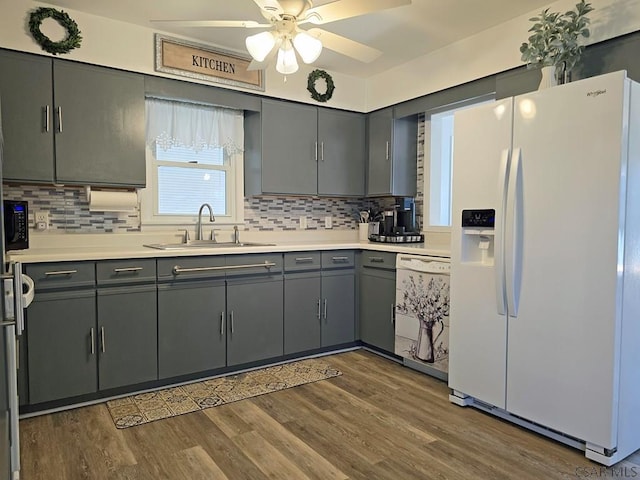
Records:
x=211, y=219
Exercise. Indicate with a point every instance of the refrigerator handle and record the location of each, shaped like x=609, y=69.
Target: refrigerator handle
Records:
x=513, y=234
x=501, y=299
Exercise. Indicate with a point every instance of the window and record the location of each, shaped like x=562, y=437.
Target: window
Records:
x=194, y=156
x=438, y=164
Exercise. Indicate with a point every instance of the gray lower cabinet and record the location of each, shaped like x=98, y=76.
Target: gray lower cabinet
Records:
x=302, y=311
x=338, y=307
x=127, y=336
x=255, y=320
x=61, y=331
x=191, y=327
x=377, y=299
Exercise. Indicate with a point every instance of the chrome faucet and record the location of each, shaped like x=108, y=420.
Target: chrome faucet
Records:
x=199, y=235
x=236, y=234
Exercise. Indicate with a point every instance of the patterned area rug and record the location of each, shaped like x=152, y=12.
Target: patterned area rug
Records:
x=170, y=402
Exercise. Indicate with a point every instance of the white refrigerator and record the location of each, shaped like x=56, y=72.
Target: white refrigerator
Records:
x=545, y=274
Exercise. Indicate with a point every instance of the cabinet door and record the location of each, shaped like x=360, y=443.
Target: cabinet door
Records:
x=26, y=94
x=62, y=357
x=342, y=153
x=289, y=148
x=100, y=126
x=127, y=336
x=255, y=321
x=377, y=303
x=301, y=312
x=191, y=328
x=338, y=307
x=380, y=152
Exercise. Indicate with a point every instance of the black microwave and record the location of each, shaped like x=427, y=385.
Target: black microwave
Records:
x=16, y=224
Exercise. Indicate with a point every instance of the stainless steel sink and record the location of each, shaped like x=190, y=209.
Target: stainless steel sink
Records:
x=204, y=244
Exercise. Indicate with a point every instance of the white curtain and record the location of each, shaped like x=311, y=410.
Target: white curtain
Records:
x=196, y=126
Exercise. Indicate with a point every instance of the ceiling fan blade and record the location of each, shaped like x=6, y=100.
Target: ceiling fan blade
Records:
x=345, y=46
x=348, y=8
x=272, y=7
x=213, y=23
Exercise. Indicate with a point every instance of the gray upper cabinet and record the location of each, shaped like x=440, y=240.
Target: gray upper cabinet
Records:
x=393, y=154
x=25, y=91
x=341, y=137
x=289, y=148
x=303, y=150
x=94, y=114
x=100, y=121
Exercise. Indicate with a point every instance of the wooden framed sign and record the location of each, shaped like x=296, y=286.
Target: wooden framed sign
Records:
x=187, y=59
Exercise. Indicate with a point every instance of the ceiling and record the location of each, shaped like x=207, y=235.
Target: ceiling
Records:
x=402, y=33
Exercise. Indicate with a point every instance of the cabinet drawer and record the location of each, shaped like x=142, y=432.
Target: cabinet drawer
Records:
x=384, y=260
x=298, y=261
x=126, y=271
x=254, y=264
x=184, y=268
x=48, y=276
x=338, y=259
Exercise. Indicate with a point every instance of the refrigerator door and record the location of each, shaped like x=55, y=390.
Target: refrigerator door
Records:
x=478, y=331
x=567, y=232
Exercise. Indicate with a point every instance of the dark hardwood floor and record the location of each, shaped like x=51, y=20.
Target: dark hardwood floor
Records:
x=377, y=421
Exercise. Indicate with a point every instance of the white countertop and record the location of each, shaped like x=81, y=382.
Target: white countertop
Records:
x=63, y=254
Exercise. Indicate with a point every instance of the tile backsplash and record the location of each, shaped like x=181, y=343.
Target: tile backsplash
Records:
x=68, y=208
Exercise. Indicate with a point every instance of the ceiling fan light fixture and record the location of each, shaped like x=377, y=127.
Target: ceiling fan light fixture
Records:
x=287, y=63
x=307, y=46
x=260, y=44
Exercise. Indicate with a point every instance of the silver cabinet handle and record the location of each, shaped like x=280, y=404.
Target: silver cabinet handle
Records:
x=340, y=259
x=376, y=259
x=59, y=112
x=322, y=151
x=102, y=340
x=93, y=342
x=46, y=118
x=231, y=318
x=127, y=269
x=60, y=272
x=319, y=313
x=393, y=314
x=387, y=151
x=325, y=309
x=222, y=324
x=178, y=269
x=304, y=259
x=316, y=151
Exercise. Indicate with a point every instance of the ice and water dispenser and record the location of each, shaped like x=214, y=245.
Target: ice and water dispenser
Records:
x=478, y=239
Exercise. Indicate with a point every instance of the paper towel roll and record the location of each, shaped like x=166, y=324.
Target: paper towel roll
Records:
x=112, y=201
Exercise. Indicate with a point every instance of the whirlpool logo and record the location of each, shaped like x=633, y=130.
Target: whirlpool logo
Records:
x=596, y=93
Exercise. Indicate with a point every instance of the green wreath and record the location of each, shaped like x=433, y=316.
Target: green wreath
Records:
x=71, y=41
x=311, y=85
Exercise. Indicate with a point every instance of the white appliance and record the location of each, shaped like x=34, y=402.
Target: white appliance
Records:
x=422, y=313
x=11, y=326
x=545, y=316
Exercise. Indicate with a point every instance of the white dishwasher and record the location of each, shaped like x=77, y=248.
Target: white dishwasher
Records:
x=422, y=313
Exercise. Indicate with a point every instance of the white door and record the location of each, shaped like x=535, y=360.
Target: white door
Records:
x=478, y=332
x=563, y=336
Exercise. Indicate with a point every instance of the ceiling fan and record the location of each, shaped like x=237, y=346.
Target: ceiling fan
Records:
x=285, y=38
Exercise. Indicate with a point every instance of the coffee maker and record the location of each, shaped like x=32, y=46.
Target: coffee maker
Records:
x=399, y=223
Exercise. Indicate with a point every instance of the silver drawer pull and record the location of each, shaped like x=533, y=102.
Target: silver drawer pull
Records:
x=127, y=269
x=304, y=259
x=60, y=272
x=178, y=269
x=340, y=259
x=376, y=259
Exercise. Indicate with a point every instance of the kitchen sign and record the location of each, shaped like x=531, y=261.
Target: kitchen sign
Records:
x=187, y=59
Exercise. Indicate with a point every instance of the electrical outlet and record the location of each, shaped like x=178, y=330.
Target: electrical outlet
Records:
x=41, y=220
x=328, y=222
x=303, y=223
